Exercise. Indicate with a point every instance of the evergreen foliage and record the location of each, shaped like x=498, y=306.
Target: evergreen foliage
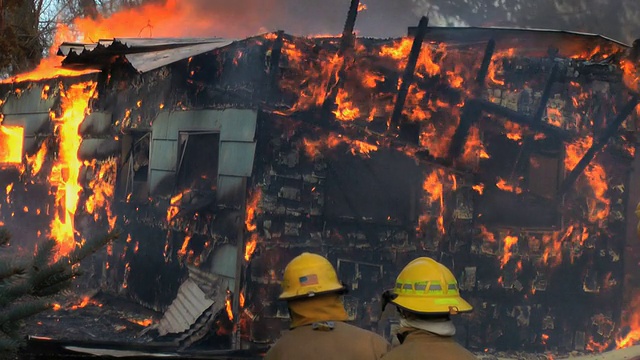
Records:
x=28, y=282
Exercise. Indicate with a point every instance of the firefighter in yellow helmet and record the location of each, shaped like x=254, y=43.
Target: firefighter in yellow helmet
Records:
x=426, y=295
x=318, y=329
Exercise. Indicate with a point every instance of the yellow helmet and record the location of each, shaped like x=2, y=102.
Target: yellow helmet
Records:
x=425, y=286
x=308, y=275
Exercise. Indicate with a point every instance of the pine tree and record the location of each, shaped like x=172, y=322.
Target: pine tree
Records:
x=28, y=282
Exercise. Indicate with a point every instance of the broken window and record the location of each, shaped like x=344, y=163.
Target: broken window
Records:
x=197, y=168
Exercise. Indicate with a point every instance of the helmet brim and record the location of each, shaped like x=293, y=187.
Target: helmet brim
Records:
x=435, y=305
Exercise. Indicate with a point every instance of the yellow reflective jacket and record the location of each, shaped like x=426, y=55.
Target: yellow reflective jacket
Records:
x=420, y=344
x=321, y=342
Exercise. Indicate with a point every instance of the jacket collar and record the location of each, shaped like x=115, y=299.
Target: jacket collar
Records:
x=407, y=335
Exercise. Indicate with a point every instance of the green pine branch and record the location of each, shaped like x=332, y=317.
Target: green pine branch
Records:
x=9, y=268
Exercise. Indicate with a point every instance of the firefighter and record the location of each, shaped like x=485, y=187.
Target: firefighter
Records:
x=318, y=329
x=426, y=295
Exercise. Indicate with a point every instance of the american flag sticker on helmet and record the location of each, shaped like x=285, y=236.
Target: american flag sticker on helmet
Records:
x=308, y=280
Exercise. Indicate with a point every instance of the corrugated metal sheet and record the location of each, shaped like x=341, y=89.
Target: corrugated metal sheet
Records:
x=147, y=61
x=144, y=54
x=236, y=158
x=28, y=102
x=96, y=124
x=189, y=304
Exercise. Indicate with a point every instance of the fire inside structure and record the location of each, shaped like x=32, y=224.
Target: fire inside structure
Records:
x=505, y=154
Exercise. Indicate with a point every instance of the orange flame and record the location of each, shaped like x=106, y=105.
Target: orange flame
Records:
x=513, y=131
x=65, y=171
x=474, y=148
x=36, y=161
x=11, y=139
x=252, y=210
x=434, y=192
x=599, y=206
x=102, y=190
x=228, y=308
x=85, y=301
x=185, y=244
x=241, y=299
x=141, y=322
x=504, y=186
x=631, y=320
x=250, y=247
x=509, y=242
x=479, y=188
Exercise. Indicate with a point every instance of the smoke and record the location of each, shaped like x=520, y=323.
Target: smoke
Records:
x=614, y=18
x=243, y=18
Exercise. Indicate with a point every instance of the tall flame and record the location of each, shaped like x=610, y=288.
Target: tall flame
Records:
x=65, y=171
x=11, y=138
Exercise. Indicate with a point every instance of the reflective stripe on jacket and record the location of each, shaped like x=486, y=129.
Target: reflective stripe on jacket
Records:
x=342, y=342
x=420, y=344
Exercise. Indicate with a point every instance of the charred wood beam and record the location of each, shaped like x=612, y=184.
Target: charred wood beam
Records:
x=486, y=62
x=546, y=94
x=470, y=112
x=348, y=38
x=274, y=67
x=599, y=144
x=346, y=46
x=409, y=70
x=523, y=119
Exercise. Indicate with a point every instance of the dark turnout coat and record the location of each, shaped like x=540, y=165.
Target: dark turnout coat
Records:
x=341, y=342
x=420, y=344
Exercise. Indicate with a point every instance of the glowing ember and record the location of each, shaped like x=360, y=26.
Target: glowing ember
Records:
x=85, y=301
x=313, y=148
x=478, y=188
x=241, y=299
x=141, y=322
x=11, y=142
x=513, y=131
x=504, y=186
x=185, y=244
x=507, y=246
x=65, y=171
x=362, y=7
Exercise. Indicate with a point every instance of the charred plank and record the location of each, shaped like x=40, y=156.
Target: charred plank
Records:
x=407, y=77
x=598, y=145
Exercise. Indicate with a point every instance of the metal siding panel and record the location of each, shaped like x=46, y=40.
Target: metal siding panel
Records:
x=238, y=125
x=29, y=102
x=193, y=120
x=96, y=124
x=236, y=158
x=160, y=126
x=164, y=154
x=99, y=149
x=32, y=123
x=159, y=180
x=224, y=261
x=185, y=309
x=231, y=190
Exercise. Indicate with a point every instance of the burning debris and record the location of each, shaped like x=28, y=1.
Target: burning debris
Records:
x=502, y=153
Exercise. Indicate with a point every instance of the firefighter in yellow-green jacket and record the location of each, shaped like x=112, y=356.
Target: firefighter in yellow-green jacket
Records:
x=318, y=329
x=426, y=295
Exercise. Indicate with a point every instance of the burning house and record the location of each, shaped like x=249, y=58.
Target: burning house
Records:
x=505, y=154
